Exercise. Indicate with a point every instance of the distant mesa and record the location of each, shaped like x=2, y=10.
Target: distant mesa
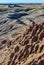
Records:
x=14, y=5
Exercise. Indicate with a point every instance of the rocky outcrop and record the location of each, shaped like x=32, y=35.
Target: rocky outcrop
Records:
x=26, y=49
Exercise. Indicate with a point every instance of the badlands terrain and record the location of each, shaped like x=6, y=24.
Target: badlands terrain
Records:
x=22, y=35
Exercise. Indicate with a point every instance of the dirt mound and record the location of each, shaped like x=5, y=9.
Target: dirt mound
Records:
x=28, y=48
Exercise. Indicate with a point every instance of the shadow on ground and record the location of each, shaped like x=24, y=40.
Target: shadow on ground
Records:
x=16, y=15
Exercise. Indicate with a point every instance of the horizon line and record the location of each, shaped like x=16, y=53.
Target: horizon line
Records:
x=18, y=3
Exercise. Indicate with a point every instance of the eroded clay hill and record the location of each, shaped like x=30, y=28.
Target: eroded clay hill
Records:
x=28, y=48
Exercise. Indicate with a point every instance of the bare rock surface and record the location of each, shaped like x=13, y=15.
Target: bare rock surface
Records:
x=22, y=35
x=26, y=48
